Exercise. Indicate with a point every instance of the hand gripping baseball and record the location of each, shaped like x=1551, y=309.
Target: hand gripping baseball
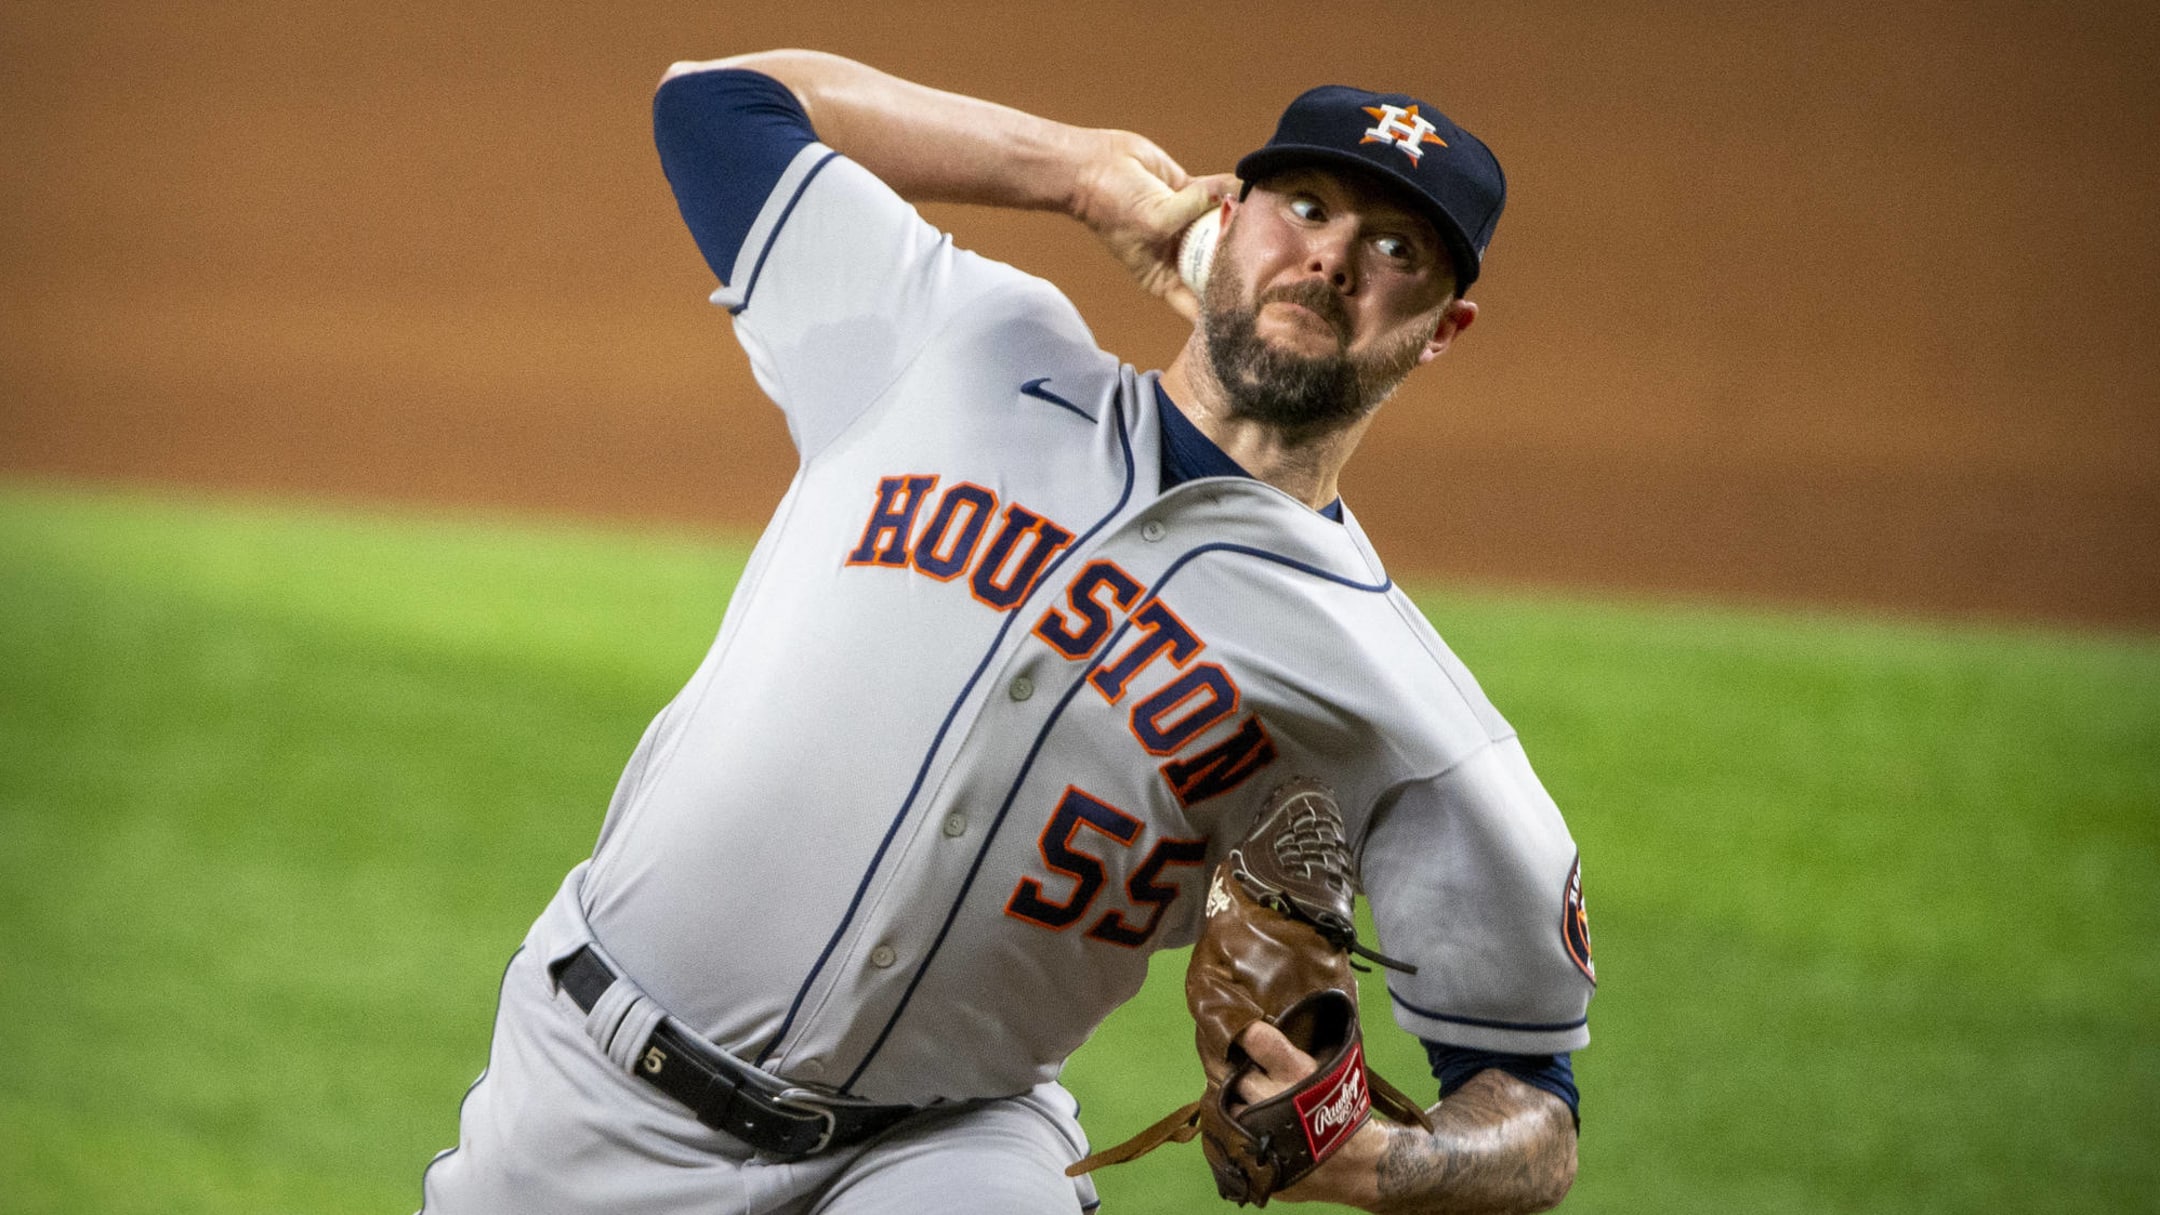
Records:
x=1275, y=949
x=1139, y=202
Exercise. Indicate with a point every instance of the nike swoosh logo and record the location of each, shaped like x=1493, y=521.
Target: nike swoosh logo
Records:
x=1034, y=388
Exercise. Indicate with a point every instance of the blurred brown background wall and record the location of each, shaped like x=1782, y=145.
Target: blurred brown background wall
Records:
x=1838, y=303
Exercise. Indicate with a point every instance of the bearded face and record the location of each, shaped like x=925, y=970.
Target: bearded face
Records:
x=1300, y=394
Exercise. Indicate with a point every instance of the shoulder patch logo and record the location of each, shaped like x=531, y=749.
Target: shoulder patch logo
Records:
x=1575, y=924
x=1405, y=128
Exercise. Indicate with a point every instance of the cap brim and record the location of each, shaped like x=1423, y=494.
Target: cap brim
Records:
x=1277, y=157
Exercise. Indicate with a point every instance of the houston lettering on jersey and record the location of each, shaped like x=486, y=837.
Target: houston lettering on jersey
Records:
x=954, y=538
x=948, y=535
x=1009, y=563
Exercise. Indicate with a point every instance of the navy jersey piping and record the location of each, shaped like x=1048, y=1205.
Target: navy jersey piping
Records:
x=937, y=743
x=773, y=237
x=1486, y=1023
x=1042, y=736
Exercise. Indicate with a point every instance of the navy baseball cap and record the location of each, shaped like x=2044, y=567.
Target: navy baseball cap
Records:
x=1451, y=175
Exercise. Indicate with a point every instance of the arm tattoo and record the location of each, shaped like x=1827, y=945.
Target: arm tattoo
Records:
x=1498, y=1145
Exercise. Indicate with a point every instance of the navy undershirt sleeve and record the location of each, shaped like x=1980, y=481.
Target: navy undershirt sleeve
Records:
x=1452, y=1065
x=725, y=137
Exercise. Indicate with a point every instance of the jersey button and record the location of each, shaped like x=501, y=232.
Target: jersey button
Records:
x=956, y=824
x=1152, y=530
x=883, y=956
x=1021, y=687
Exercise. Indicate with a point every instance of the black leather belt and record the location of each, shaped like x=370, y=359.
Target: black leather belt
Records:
x=789, y=1122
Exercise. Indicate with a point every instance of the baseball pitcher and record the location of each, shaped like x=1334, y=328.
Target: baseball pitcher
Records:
x=1045, y=663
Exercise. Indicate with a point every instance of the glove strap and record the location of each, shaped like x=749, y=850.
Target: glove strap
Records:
x=1178, y=1126
x=1389, y=1100
x=1360, y=949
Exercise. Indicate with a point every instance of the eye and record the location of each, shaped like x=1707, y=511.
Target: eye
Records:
x=1396, y=249
x=1307, y=208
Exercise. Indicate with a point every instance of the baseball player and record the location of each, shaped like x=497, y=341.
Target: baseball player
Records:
x=1022, y=651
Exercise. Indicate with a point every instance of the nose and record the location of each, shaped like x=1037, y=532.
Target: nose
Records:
x=1330, y=255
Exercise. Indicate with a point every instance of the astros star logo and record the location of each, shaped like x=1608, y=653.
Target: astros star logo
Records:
x=1406, y=129
x=1575, y=923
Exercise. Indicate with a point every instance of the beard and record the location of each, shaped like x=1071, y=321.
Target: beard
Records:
x=1299, y=394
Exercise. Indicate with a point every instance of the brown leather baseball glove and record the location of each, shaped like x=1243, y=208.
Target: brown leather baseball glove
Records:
x=1276, y=947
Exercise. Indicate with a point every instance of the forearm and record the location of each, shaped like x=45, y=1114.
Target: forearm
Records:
x=930, y=145
x=1497, y=1145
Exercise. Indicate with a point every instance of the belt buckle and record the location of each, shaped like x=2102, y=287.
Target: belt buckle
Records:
x=803, y=1100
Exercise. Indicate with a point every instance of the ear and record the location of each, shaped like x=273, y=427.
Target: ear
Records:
x=1457, y=316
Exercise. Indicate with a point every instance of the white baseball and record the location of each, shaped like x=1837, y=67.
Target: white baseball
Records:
x=1196, y=249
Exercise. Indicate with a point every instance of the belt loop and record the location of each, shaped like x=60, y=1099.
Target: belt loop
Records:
x=622, y=1021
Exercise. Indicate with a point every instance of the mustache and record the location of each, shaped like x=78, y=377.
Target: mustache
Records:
x=1316, y=296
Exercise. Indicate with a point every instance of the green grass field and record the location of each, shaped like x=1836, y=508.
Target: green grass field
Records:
x=1876, y=905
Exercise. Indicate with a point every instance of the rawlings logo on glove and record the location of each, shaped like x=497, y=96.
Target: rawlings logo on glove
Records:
x=1275, y=947
x=1337, y=1106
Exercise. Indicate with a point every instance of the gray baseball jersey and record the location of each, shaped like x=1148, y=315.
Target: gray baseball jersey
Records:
x=987, y=702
